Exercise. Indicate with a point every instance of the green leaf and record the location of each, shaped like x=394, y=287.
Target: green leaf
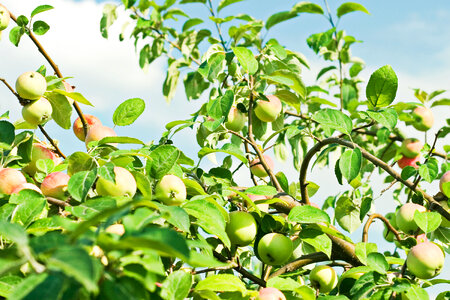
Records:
x=377, y=262
x=7, y=134
x=162, y=160
x=225, y=3
x=128, y=111
x=222, y=283
x=91, y=207
x=221, y=106
x=77, y=263
x=14, y=233
x=171, y=81
x=288, y=78
x=108, y=18
x=325, y=70
x=7, y=284
x=176, y=286
x=349, y=7
x=194, y=85
x=80, y=184
x=362, y=250
x=441, y=102
x=191, y=23
x=289, y=98
x=246, y=59
x=279, y=17
x=382, y=87
x=40, y=27
x=74, y=95
x=27, y=285
x=430, y=170
x=386, y=117
x=308, y=214
x=30, y=207
x=307, y=7
x=319, y=240
x=427, y=221
x=347, y=214
x=120, y=140
x=61, y=109
x=15, y=34
x=277, y=49
x=350, y=163
x=176, y=216
x=79, y=161
x=264, y=190
x=416, y=293
x=227, y=148
x=334, y=119
x=40, y=9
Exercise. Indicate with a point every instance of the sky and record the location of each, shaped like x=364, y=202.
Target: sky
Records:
x=412, y=36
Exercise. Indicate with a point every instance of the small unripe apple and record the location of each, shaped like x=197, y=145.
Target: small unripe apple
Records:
x=445, y=222
x=55, y=185
x=124, y=185
x=270, y=293
x=323, y=278
x=268, y=111
x=405, y=217
x=425, y=260
x=10, y=179
x=26, y=186
x=257, y=168
x=242, y=228
x=116, y=229
x=78, y=126
x=406, y=161
x=31, y=85
x=411, y=147
x=275, y=249
x=388, y=235
x=40, y=151
x=98, y=132
x=236, y=120
x=4, y=17
x=171, y=190
x=444, y=181
x=424, y=118
x=37, y=112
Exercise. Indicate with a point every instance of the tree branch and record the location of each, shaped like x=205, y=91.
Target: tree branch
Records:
x=372, y=218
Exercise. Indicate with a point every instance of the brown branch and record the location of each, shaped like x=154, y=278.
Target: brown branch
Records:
x=365, y=236
x=51, y=141
x=434, y=205
x=57, y=202
x=57, y=71
x=233, y=265
x=300, y=262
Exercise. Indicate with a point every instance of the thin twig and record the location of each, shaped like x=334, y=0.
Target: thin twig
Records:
x=51, y=141
x=365, y=236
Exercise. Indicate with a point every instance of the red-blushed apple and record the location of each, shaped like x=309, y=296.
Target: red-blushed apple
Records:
x=423, y=118
x=275, y=249
x=262, y=207
x=268, y=111
x=425, y=260
x=116, y=229
x=445, y=222
x=78, y=125
x=98, y=132
x=40, y=151
x=55, y=185
x=124, y=185
x=26, y=186
x=323, y=278
x=388, y=235
x=406, y=161
x=411, y=147
x=37, y=112
x=241, y=228
x=236, y=120
x=4, y=17
x=257, y=168
x=405, y=217
x=445, y=180
x=171, y=190
x=10, y=179
x=31, y=85
x=270, y=293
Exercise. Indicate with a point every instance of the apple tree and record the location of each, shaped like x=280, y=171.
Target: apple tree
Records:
x=128, y=219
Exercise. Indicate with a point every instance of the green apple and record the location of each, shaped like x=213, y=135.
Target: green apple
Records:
x=406, y=161
x=4, y=17
x=275, y=249
x=26, y=186
x=445, y=179
x=10, y=179
x=40, y=151
x=388, y=235
x=55, y=185
x=171, y=190
x=270, y=293
x=78, y=125
x=241, y=228
x=323, y=278
x=98, y=132
x=236, y=120
x=411, y=147
x=405, y=217
x=37, y=112
x=268, y=111
x=425, y=260
x=124, y=185
x=31, y=85
x=257, y=168
x=423, y=118
x=445, y=222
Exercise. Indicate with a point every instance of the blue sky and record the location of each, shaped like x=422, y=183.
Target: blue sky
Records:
x=412, y=36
